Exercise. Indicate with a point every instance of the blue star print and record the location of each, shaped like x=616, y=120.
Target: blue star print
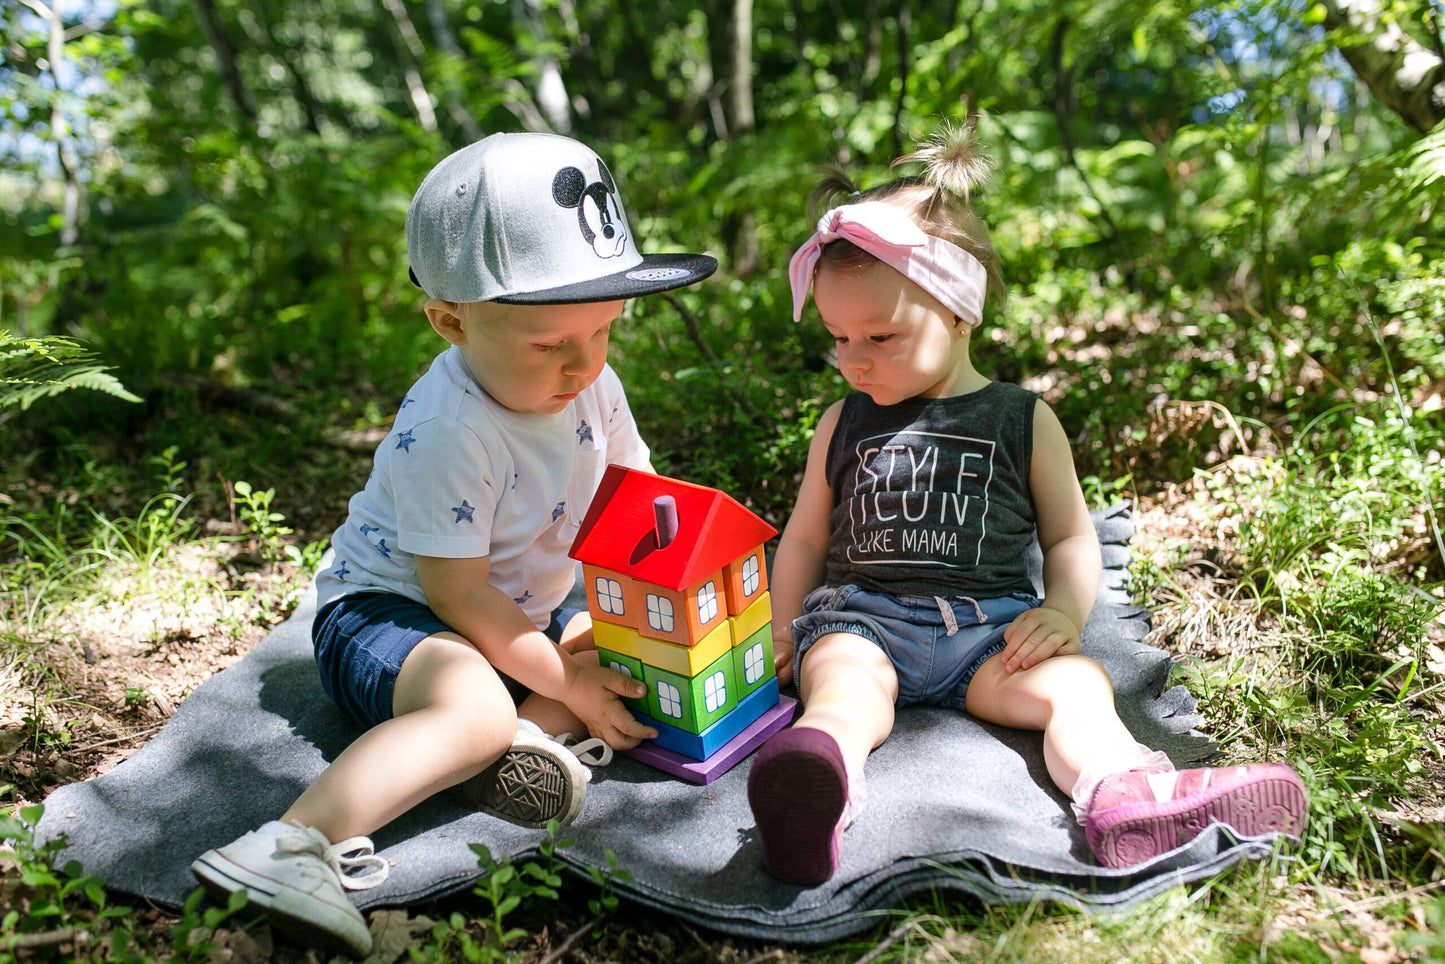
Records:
x=558, y=509
x=407, y=401
x=341, y=571
x=381, y=548
x=404, y=441
x=365, y=529
x=584, y=432
x=515, y=477
x=526, y=595
x=463, y=511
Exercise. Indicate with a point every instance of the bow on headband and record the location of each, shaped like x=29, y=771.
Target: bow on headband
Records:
x=946, y=271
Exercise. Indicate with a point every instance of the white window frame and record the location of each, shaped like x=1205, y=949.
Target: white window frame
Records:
x=707, y=603
x=659, y=613
x=751, y=577
x=669, y=699
x=609, y=596
x=753, y=664
x=715, y=691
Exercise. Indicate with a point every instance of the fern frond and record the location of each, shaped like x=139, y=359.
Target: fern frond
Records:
x=1425, y=161
x=36, y=368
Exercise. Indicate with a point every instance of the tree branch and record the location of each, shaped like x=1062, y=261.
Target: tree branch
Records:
x=215, y=30
x=1406, y=77
x=59, y=126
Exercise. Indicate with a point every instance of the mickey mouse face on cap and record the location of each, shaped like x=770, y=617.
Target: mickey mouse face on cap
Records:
x=598, y=216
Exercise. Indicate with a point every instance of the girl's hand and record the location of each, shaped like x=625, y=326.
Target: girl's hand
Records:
x=783, y=659
x=594, y=695
x=1035, y=636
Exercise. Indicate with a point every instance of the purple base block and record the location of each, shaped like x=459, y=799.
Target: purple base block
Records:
x=703, y=772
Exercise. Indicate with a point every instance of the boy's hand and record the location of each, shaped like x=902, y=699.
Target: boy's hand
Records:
x=594, y=695
x=783, y=659
x=1035, y=636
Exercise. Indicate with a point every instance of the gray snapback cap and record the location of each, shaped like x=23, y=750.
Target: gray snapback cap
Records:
x=532, y=219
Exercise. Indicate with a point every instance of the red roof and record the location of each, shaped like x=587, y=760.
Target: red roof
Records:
x=619, y=532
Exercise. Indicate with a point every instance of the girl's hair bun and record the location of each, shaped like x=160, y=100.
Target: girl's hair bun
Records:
x=953, y=159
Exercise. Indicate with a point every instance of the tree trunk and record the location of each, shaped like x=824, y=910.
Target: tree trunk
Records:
x=412, y=46
x=1063, y=117
x=215, y=29
x=741, y=46
x=903, y=24
x=59, y=126
x=441, y=29
x=1405, y=77
x=260, y=31
x=550, y=94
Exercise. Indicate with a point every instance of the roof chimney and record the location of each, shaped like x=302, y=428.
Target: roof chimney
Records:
x=664, y=511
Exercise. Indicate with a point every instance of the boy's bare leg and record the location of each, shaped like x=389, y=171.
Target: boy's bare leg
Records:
x=453, y=717
x=553, y=716
x=1071, y=700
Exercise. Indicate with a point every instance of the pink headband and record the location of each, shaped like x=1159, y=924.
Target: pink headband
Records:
x=946, y=271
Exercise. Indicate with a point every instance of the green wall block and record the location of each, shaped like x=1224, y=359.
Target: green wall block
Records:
x=746, y=653
x=613, y=660
x=683, y=702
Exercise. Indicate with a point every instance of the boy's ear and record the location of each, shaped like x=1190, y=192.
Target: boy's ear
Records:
x=446, y=320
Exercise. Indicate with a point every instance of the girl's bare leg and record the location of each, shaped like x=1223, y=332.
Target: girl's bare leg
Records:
x=1071, y=700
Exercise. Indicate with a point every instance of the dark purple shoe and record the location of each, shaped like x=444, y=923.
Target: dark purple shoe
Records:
x=1129, y=823
x=798, y=789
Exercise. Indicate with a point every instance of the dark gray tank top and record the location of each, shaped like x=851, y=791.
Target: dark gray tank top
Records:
x=931, y=496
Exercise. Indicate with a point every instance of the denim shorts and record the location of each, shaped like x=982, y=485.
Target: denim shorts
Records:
x=362, y=639
x=935, y=655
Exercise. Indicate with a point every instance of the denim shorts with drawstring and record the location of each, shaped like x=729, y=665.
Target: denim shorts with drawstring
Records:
x=935, y=644
x=361, y=640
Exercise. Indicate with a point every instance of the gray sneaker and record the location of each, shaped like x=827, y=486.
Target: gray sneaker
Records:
x=540, y=778
x=300, y=879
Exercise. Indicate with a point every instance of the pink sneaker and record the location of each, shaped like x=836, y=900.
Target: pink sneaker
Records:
x=1139, y=814
x=798, y=789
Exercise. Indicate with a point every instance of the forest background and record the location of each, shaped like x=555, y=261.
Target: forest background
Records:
x=1221, y=227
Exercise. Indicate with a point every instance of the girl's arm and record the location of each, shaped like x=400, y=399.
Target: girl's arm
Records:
x=802, y=556
x=1072, y=561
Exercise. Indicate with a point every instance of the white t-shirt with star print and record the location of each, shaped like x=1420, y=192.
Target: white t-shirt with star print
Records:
x=460, y=476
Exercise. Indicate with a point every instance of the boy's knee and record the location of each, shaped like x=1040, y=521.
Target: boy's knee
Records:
x=489, y=732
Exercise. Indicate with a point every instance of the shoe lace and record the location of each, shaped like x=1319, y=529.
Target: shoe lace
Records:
x=345, y=858
x=592, y=751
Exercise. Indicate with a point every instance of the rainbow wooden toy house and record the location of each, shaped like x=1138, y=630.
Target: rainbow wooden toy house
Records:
x=678, y=590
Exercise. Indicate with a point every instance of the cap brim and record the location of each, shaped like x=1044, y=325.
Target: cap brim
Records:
x=658, y=272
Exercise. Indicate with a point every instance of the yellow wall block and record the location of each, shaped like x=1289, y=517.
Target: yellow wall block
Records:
x=619, y=639
x=752, y=619
x=686, y=660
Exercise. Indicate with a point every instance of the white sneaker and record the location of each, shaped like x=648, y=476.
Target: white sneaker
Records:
x=540, y=778
x=300, y=879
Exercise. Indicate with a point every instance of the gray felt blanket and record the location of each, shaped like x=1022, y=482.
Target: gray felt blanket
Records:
x=953, y=804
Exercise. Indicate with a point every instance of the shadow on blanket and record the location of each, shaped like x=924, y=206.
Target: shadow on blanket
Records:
x=953, y=804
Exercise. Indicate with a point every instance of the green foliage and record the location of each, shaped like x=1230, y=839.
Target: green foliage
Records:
x=1430, y=941
x=35, y=368
x=265, y=527
x=47, y=898
x=192, y=935
x=1338, y=673
x=506, y=890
